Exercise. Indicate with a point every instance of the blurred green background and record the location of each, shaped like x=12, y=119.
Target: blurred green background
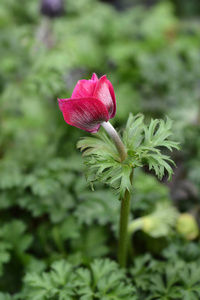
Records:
x=150, y=51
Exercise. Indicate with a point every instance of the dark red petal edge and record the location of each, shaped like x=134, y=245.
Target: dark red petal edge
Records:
x=84, y=113
x=113, y=97
x=105, y=93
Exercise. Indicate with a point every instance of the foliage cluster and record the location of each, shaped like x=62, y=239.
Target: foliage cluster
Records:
x=54, y=231
x=142, y=144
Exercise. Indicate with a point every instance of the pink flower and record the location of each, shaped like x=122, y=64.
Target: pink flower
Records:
x=92, y=102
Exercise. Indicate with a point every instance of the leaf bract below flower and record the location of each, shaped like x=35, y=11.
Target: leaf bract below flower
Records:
x=143, y=145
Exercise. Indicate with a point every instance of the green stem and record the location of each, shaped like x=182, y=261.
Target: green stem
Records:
x=116, y=139
x=123, y=232
x=125, y=201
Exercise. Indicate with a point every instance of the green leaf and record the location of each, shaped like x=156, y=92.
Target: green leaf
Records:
x=99, y=206
x=6, y=296
x=103, y=163
x=4, y=253
x=103, y=279
x=190, y=280
x=58, y=282
x=144, y=144
x=133, y=134
x=13, y=232
x=87, y=242
x=157, y=134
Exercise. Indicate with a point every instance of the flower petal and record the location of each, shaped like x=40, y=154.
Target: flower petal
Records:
x=104, y=91
x=94, y=77
x=84, y=113
x=84, y=88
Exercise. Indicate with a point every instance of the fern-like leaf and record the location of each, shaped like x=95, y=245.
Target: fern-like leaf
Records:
x=144, y=143
x=103, y=280
x=103, y=163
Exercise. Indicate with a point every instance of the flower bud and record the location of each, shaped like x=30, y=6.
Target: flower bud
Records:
x=52, y=8
x=92, y=103
x=187, y=226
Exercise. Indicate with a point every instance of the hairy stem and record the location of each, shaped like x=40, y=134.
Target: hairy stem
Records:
x=125, y=201
x=123, y=227
x=116, y=139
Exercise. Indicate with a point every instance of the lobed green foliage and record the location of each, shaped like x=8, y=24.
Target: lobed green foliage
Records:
x=52, y=225
x=142, y=144
x=104, y=280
